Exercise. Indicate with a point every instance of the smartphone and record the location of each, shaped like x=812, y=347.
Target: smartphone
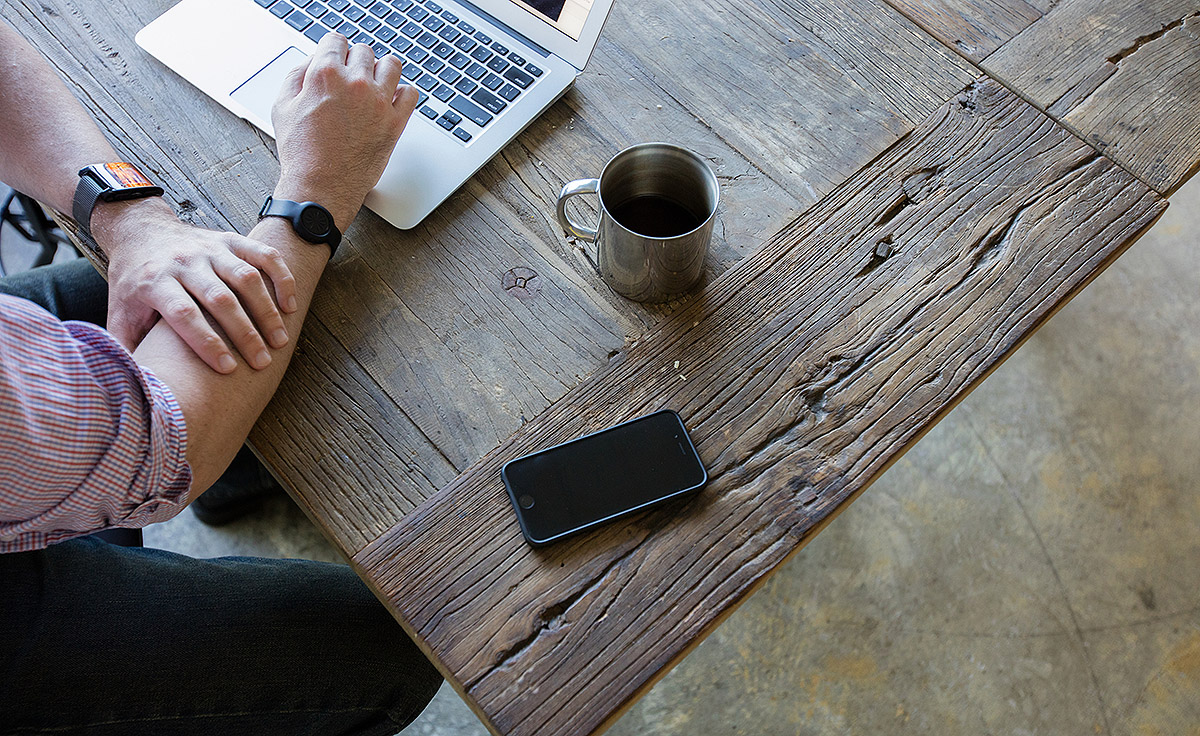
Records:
x=599, y=477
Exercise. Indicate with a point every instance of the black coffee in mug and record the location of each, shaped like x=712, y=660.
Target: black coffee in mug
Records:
x=655, y=216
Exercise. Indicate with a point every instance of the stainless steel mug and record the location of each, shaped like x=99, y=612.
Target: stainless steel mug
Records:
x=658, y=203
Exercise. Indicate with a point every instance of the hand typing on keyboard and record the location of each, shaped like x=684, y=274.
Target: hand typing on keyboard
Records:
x=337, y=119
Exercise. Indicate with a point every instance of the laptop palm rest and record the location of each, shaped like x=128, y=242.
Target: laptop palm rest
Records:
x=258, y=93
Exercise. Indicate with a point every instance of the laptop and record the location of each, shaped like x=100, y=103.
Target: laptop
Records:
x=485, y=69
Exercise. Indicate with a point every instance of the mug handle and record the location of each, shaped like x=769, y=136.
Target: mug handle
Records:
x=574, y=189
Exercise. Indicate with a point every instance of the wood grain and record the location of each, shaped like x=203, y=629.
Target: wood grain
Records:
x=801, y=373
x=974, y=28
x=1124, y=76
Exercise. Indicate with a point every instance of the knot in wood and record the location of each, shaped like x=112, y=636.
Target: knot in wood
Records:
x=522, y=282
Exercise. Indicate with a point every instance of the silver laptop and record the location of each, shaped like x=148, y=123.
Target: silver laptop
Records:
x=485, y=70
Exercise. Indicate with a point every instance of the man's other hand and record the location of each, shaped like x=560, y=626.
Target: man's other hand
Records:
x=336, y=121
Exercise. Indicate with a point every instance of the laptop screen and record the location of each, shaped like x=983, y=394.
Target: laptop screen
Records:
x=567, y=16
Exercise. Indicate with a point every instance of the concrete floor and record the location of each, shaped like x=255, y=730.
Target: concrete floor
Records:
x=1030, y=567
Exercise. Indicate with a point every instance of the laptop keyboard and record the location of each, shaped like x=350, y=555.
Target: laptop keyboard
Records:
x=465, y=77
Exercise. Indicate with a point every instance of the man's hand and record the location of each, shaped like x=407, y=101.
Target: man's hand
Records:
x=161, y=266
x=336, y=121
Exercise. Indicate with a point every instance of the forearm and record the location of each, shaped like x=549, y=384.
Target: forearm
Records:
x=47, y=134
x=220, y=409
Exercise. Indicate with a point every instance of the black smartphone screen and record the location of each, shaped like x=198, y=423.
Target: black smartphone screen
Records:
x=601, y=476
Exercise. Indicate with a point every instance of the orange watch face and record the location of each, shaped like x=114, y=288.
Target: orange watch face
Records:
x=127, y=175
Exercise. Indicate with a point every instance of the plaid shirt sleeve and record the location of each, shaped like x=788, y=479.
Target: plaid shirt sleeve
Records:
x=88, y=439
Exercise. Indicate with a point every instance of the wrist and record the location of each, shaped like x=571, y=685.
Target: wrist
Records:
x=116, y=223
x=342, y=209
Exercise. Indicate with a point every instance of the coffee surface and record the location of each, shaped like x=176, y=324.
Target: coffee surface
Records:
x=655, y=216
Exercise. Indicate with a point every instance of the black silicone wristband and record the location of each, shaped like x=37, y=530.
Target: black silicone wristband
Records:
x=311, y=221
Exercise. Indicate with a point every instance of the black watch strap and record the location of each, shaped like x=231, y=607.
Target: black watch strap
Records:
x=311, y=221
x=108, y=183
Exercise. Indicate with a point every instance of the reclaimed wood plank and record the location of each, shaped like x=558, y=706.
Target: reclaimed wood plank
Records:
x=975, y=28
x=802, y=373
x=1124, y=76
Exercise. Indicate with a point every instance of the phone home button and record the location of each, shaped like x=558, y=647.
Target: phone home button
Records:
x=526, y=501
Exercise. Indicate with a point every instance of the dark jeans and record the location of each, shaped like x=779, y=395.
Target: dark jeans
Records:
x=100, y=639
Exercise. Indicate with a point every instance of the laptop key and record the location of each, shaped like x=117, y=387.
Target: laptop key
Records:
x=434, y=7
x=317, y=10
x=401, y=44
x=518, y=77
x=449, y=33
x=298, y=20
x=509, y=92
x=301, y=3
x=380, y=10
x=514, y=58
x=427, y=82
x=443, y=50
x=459, y=60
x=332, y=20
x=483, y=38
x=364, y=38
x=473, y=112
x=492, y=82
x=370, y=23
x=348, y=29
x=380, y=50
x=433, y=65
x=466, y=27
x=427, y=39
x=264, y=3
x=280, y=10
x=443, y=93
x=489, y=101
x=481, y=54
x=394, y=19
x=412, y=72
x=452, y=116
x=466, y=43
x=449, y=75
x=418, y=13
x=354, y=13
x=418, y=54
x=429, y=112
x=401, y=5
x=339, y=5
x=445, y=123
x=462, y=135
x=385, y=34
x=411, y=29
x=533, y=70
x=476, y=71
x=450, y=17
x=497, y=65
x=466, y=86
x=316, y=33
x=434, y=23
x=500, y=48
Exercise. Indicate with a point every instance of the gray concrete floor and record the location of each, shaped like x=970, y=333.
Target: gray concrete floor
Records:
x=1030, y=567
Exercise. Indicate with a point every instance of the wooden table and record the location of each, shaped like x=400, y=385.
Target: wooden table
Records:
x=910, y=187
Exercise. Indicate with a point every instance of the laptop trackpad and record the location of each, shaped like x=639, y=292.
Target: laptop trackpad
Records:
x=258, y=93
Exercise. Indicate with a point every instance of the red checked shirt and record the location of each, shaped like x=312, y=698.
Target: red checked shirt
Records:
x=88, y=439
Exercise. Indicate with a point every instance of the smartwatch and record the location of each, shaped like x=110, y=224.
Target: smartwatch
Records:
x=108, y=183
x=311, y=221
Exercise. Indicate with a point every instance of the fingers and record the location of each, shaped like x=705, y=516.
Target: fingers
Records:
x=181, y=312
x=294, y=81
x=251, y=299
x=271, y=262
x=361, y=57
x=406, y=99
x=218, y=300
x=332, y=49
x=388, y=71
